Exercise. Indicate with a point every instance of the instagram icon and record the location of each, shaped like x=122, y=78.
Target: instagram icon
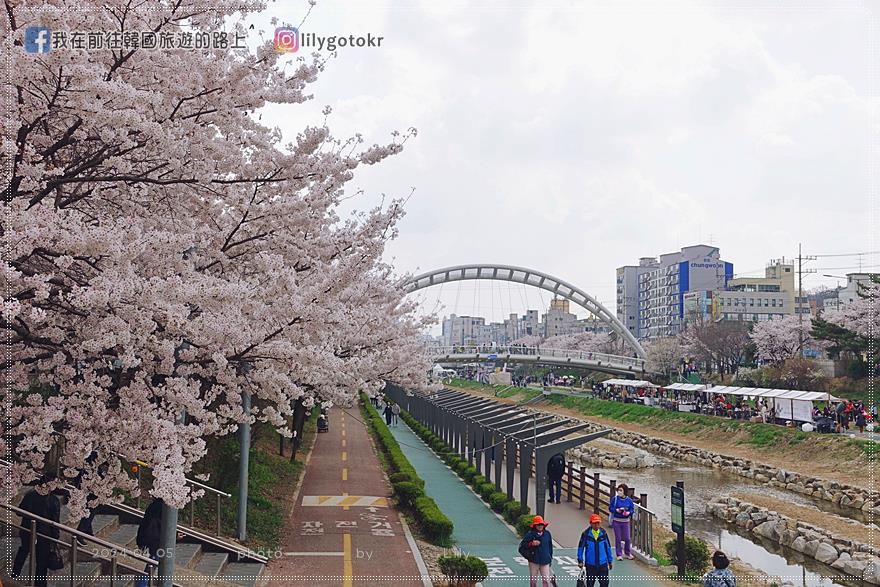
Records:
x=286, y=40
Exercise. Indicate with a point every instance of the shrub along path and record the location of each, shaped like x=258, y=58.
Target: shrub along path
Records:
x=478, y=531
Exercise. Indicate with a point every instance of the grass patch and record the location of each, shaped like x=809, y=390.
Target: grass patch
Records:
x=270, y=479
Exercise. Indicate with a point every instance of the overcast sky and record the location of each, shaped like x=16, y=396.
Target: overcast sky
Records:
x=575, y=137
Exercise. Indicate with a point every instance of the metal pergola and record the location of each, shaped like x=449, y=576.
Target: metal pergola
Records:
x=487, y=432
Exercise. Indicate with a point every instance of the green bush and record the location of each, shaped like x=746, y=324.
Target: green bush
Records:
x=512, y=511
x=524, y=523
x=406, y=476
x=486, y=489
x=407, y=492
x=463, y=569
x=497, y=500
x=436, y=526
x=408, y=486
x=696, y=555
x=476, y=481
x=469, y=473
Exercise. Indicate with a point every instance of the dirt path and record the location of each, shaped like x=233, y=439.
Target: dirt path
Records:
x=839, y=465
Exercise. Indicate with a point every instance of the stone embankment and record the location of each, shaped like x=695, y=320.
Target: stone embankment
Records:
x=846, y=496
x=853, y=558
x=598, y=458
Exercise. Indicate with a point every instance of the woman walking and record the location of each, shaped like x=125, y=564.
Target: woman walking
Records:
x=622, y=510
x=537, y=548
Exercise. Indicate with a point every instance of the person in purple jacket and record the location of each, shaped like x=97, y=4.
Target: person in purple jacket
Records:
x=622, y=510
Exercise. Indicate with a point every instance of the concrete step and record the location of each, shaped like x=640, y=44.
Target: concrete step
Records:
x=84, y=574
x=245, y=574
x=186, y=553
x=211, y=563
x=105, y=524
x=8, y=547
x=124, y=535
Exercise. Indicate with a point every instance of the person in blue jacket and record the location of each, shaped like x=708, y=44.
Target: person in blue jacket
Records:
x=622, y=510
x=594, y=552
x=537, y=548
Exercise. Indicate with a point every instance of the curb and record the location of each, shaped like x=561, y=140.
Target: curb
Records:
x=417, y=554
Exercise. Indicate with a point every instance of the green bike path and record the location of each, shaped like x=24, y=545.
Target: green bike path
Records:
x=480, y=532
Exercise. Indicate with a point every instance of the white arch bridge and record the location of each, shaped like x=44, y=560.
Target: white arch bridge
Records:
x=534, y=278
x=539, y=356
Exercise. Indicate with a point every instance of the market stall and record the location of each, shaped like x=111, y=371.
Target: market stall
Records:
x=786, y=404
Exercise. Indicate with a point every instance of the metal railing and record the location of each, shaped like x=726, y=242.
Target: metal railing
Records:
x=112, y=556
x=643, y=531
x=507, y=350
x=192, y=484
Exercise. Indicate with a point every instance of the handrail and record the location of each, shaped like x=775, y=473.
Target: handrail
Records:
x=114, y=550
x=70, y=530
x=238, y=550
x=187, y=479
x=536, y=351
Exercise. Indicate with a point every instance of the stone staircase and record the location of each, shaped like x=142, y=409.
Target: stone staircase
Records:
x=196, y=564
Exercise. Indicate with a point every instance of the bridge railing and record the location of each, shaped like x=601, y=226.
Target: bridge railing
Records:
x=501, y=351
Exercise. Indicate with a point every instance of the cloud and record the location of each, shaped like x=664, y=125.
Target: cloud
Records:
x=576, y=140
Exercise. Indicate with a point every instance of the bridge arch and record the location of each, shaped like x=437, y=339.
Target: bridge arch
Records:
x=531, y=277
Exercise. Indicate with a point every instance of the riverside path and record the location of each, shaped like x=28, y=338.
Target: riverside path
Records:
x=342, y=528
x=482, y=533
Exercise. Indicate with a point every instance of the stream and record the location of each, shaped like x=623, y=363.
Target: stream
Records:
x=704, y=483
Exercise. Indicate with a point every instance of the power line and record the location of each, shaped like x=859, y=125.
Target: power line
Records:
x=849, y=254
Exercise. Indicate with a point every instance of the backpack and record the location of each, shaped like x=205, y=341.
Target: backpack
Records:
x=525, y=551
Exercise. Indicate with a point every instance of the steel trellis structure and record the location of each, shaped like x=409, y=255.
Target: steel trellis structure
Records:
x=531, y=277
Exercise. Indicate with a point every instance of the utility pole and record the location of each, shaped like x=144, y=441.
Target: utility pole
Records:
x=798, y=306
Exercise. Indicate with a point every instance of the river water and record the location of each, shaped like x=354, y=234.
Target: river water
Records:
x=701, y=485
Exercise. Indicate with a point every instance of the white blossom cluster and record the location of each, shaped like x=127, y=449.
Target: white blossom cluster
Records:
x=165, y=253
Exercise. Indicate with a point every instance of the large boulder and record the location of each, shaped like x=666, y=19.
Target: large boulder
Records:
x=841, y=561
x=799, y=544
x=825, y=553
x=855, y=567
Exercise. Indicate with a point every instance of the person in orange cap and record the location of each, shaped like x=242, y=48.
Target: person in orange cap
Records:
x=594, y=553
x=537, y=548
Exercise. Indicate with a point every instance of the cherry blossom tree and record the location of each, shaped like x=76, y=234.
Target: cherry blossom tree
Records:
x=588, y=342
x=165, y=252
x=780, y=339
x=529, y=340
x=664, y=354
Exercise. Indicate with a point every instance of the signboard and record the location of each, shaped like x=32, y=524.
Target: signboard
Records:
x=677, y=510
x=492, y=357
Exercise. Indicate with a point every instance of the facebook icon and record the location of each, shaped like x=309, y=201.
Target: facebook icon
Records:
x=36, y=39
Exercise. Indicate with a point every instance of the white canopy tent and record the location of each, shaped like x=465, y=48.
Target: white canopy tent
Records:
x=685, y=387
x=629, y=382
x=790, y=404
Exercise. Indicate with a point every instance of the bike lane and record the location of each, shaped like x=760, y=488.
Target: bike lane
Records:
x=343, y=528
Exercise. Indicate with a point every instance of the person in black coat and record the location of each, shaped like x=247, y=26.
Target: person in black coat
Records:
x=555, y=472
x=388, y=412
x=46, y=506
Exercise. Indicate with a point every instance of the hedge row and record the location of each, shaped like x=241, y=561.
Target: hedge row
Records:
x=409, y=488
x=512, y=511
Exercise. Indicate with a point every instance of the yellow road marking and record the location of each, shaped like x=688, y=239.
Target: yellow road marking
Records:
x=343, y=443
x=345, y=500
x=342, y=503
x=343, y=432
x=344, y=456
x=344, y=474
x=346, y=560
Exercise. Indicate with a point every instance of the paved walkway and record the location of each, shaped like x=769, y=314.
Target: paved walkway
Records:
x=480, y=532
x=342, y=528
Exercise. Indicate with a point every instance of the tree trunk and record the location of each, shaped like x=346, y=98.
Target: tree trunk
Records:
x=299, y=420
